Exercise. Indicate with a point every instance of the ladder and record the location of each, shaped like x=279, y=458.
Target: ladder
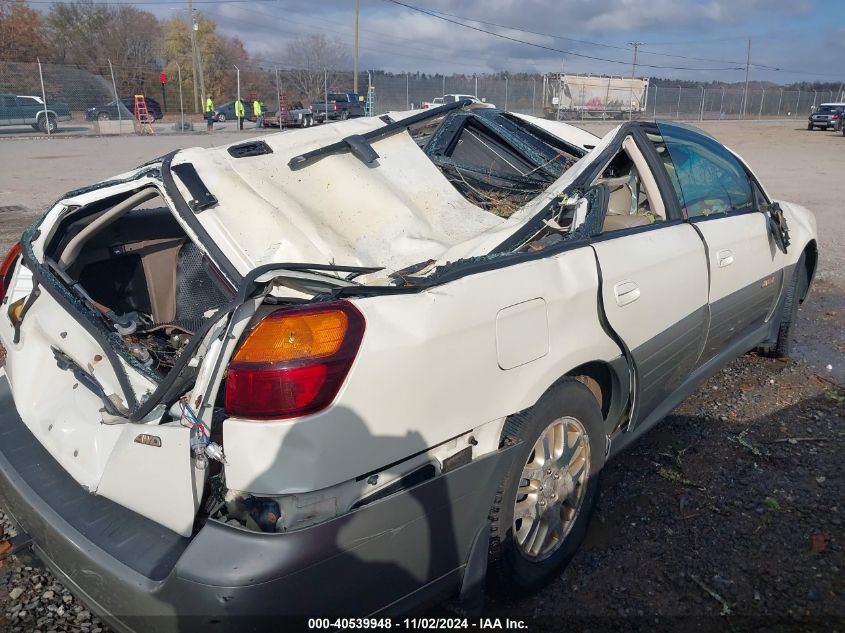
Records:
x=370, y=103
x=143, y=116
x=284, y=107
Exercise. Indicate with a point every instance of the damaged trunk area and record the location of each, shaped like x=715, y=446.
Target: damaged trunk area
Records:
x=496, y=160
x=131, y=262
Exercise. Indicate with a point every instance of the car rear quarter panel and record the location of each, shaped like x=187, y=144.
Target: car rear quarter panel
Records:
x=429, y=369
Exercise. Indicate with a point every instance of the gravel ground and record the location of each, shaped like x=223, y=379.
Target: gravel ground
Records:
x=727, y=516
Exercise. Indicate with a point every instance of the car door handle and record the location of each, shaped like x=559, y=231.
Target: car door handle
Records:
x=626, y=292
x=725, y=258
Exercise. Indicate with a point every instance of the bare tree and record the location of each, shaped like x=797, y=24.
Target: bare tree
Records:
x=308, y=57
x=21, y=37
x=88, y=35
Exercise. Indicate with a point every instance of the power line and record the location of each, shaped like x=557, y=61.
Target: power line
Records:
x=542, y=46
x=739, y=65
x=321, y=28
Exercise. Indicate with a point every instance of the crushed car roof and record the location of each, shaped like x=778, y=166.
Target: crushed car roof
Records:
x=392, y=213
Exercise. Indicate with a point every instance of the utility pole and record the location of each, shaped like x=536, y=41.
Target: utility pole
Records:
x=636, y=46
x=355, y=70
x=199, y=64
x=191, y=25
x=747, y=66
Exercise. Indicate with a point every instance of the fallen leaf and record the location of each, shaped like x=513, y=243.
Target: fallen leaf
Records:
x=819, y=542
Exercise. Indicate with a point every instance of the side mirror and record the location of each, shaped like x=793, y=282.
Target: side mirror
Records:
x=777, y=225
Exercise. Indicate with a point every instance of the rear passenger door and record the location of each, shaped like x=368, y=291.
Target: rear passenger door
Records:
x=721, y=201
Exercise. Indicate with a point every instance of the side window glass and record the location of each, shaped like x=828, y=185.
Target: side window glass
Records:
x=707, y=178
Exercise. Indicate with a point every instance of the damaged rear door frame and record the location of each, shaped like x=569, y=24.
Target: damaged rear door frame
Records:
x=251, y=285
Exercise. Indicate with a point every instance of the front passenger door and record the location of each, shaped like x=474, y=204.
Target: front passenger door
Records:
x=719, y=200
x=653, y=279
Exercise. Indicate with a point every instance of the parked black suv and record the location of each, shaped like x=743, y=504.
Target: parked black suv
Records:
x=109, y=110
x=828, y=116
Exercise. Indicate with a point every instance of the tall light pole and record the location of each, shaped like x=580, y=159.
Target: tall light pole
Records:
x=636, y=46
x=745, y=92
x=239, y=85
x=355, y=68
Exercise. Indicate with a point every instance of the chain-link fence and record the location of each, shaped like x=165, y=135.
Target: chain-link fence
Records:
x=101, y=100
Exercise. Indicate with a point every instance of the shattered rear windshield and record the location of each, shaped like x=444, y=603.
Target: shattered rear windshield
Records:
x=495, y=160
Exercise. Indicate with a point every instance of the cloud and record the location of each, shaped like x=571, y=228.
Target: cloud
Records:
x=785, y=33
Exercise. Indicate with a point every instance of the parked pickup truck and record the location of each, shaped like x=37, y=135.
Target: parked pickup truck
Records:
x=341, y=106
x=378, y=362
x=28, y=110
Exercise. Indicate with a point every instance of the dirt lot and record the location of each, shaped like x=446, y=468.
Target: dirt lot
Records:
x=728, y=516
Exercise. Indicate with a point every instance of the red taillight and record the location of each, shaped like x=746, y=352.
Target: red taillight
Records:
x=7, y=267
x=294, y=361
x=337, y=106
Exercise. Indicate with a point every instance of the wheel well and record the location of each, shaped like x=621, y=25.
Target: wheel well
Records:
x=811, y=259
x=597, y=377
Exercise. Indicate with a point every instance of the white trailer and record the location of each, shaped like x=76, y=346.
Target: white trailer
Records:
x=593, y=96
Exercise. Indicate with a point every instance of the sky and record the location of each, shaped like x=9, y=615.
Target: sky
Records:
x=805, y=36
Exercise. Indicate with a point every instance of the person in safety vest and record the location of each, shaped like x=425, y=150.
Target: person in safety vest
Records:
x=239, y=113
x=259, y=114
x=209, y=113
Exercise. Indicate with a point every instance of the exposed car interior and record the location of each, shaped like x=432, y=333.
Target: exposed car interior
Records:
x=130, y=260
x=494, y=159
x=634, y=196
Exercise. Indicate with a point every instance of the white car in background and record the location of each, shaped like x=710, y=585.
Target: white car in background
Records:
x=454, y=98
x=379, y=360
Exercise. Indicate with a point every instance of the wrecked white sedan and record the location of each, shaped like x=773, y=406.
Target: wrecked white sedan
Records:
x=345, y=369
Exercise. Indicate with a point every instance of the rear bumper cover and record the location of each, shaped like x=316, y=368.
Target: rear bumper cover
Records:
x=382, y=558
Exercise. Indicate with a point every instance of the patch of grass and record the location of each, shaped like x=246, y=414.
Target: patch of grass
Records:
x=771, y=503
x=834, y=395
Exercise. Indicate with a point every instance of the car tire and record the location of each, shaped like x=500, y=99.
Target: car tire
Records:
x=810, y=126
x=782, y=346
x=344, y=114
x=559, y=502
x=221, y=118
x=49, y=122
x=103, y=116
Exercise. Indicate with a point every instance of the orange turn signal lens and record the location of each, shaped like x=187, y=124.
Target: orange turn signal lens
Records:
x=294, y=361
x=285, y=336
